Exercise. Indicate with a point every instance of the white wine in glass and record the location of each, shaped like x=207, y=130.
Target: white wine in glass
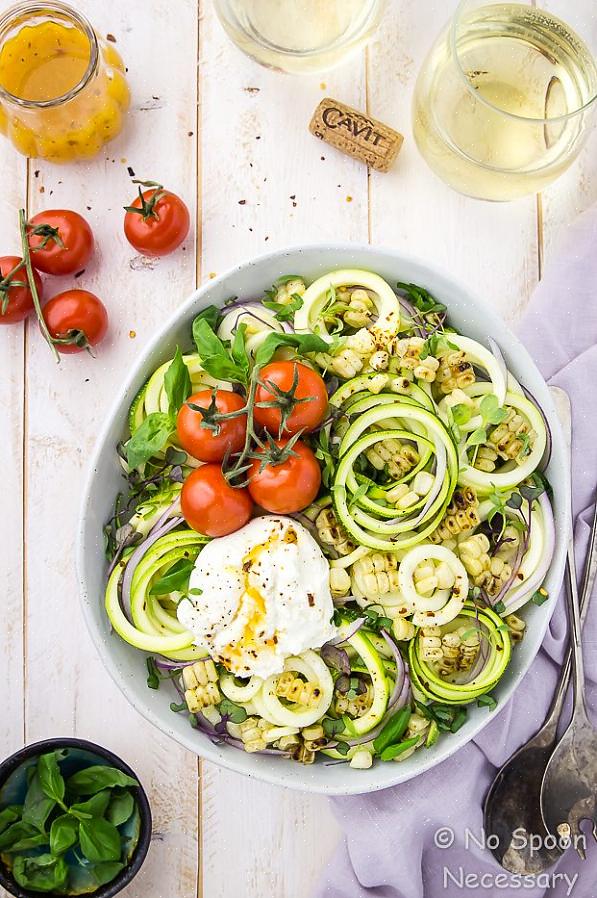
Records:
x=299, y=36
x=505, y=99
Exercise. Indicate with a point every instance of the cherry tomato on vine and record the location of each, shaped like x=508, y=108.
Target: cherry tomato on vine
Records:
x=289, y=485
x=203, y=435
x=16, y=301
x=157, y=221
x=210, y=505
x=300, y=394
x=61, y=241
x=77, y=318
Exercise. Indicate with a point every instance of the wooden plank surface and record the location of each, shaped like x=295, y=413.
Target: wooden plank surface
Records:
x=232, y=138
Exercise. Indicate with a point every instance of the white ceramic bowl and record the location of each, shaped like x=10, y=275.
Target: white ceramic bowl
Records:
x=126, y=665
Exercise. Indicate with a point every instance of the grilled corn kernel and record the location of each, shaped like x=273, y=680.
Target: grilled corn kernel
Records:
x=331, y=533
x=360, y=309
x=511, y=436
x=339, y=581
x=485, y=459
x=345, y=364
x=354, y=707
x=362, y=343
x=407, y=350
x=427, y=369
x=305, y=755
x=375, y=575
x=296, y=690
x=361, y=760
x=454, y=372
x=444, y=575
x=417, y=725
x=423, y=483
x=403, y=629
x=201, y=682
x=460, y=517
x=516, y=627
x=285, y=292
x=273, y=733
x=430, y=648
x=398, y=458
x=379, y=361
x=288, y=743
x=397, y=492
x=251, y=734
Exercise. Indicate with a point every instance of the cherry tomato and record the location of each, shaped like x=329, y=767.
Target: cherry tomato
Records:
x=16, y=303
x=288, y=486
x=196, y=433
x=78, y=317
x=210, y=505
x=156, y=222
x=61, y=241
x=287, y=382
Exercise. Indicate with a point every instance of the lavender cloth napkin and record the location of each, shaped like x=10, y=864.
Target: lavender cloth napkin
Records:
x=389, y=848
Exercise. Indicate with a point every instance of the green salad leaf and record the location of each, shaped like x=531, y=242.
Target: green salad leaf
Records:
x=41, y=873
x=100, y=840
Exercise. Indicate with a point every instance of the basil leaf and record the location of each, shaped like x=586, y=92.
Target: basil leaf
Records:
x=175, y=580
x=215, y=358
x=487, y=701
x=177, y=383
x=120, y=808
x=149, y=438
x=16, y=832
x=43, y=873
x=50, y=778
x=94, y=779
x=64, y=833
x=100, y=840
x=93, y=807
x=239, y=352
x=38, y=806
x=392, y=731
x=302, y=342
x=9, y=815
x=103, y=873
x=211, y=314
x=392, y=751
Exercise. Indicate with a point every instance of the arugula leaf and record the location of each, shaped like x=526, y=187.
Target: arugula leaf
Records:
x=176, y=579
x=100, y=840
x=177, y=383
x=303, y=343
x=64, y=833
x=42, y=873
x=233, y=712
x=106, y=871
x=285, y=311
x=50, y=778
x=10, y=814
x=93, y=807
x=122, y=805
x=37, y=806
x=215, y=358
x=149, y=438
x=97, y=777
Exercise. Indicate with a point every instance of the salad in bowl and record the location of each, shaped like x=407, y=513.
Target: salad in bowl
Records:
x=335, y=523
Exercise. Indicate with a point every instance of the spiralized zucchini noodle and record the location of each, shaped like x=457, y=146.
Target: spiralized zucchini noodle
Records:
x=434, y=518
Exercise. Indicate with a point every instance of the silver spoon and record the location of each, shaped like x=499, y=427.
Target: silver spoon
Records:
x=512, y=809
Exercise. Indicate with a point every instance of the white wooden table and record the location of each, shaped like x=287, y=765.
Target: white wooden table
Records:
x=232, y=139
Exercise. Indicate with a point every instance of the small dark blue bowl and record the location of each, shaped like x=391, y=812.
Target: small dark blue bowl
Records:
x=82, y=754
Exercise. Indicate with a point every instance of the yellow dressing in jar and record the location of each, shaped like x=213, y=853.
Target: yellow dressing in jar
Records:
x=63, y=91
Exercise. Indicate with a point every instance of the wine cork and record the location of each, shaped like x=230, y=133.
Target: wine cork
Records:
x=356, y=134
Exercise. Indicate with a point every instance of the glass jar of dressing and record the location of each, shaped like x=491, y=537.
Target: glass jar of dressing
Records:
x=63, y=92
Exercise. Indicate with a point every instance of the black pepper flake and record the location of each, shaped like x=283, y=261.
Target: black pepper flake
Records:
x=130, y=171
x=111, y=38
x=79, y=273
x=242, y=202
x=310, y=599
x=36, y=173
x=293, y=197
